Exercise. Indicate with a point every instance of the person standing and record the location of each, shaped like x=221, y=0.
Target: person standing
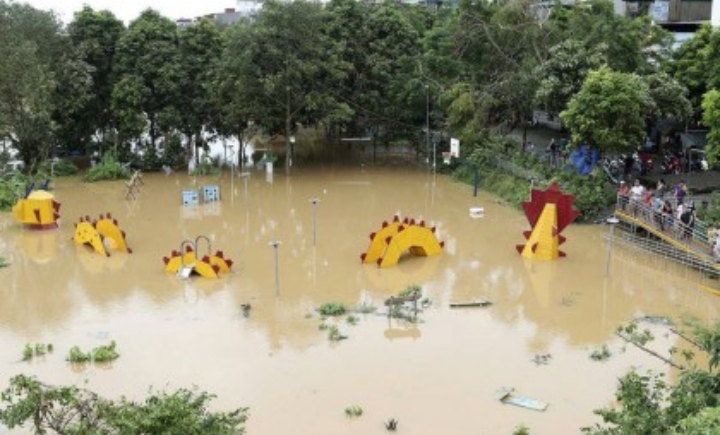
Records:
x=680, y=191
x=636, y=196
x=553, y=149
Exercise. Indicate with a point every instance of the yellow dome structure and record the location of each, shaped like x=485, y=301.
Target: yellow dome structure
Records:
x=396, y=238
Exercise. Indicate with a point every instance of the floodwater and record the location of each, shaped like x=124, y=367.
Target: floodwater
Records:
x=438, y=375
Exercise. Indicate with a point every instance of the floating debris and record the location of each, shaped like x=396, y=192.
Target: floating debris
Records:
x=480, y=303
x=246, y=309
x=507, y=395
x=542, y=359
x=656, y=320
x=391, y=425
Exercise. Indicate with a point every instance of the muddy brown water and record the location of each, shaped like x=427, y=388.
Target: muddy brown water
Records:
x=438, y=375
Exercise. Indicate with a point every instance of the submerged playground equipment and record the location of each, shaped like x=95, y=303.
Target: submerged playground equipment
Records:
x=185, y=262
x=395, y=238
x=101, y=234
x=37, y=209
x=549, y=212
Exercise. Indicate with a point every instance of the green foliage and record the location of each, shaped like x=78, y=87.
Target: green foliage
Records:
x=61, y=168
x=510, y=177
x=3, y=262
x=100, y=354
x=601, y=354
x=711, y=117
x=334, y=334
x=78, y=356
x=70, y=410
x=105, y=353
x=410, y=290
x=109, y=168
x=332, y=309
x=564, y=73
x=605, y=98
x=648, y=405
x=711, y=214
x=12, y=188
x=365, y=308
x=521, y=430
x=669, y=97
x=353, y=411
x=351, y=320
x=705, y=422
x=691, y=66
x=207, y=166
x=28, y=352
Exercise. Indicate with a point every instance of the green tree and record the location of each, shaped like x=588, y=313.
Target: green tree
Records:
x=148, y=72
x=563, y=74
x=95, y=34
x=276, y=70
x=711, y=118
x=200, y=47
x=41, y=78
x=608, y=112
x=649, y=405
x=669, y=97
x=74, y=411
x=689, y=64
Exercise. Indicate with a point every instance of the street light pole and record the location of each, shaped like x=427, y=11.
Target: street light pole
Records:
x=314, y=202
x=427, y=124
x=613, y=221
x=276, y=244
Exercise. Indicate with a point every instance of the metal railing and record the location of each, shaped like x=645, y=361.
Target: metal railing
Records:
x=690, y=245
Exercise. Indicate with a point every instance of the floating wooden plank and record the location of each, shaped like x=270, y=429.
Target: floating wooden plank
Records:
x=508, y=396
x=481, y=303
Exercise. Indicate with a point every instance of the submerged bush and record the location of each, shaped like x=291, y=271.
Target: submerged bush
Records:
x=61, y=168
x=332, y=309
x=109, y=168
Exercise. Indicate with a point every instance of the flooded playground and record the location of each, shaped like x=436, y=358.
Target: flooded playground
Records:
x=438, y=375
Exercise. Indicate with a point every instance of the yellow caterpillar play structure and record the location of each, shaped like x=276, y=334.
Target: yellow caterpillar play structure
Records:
x=38, y=209
x=395, y=238
x=185, y=262
x=101, y=234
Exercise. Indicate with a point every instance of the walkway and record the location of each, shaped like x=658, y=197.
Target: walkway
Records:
x=694, y=241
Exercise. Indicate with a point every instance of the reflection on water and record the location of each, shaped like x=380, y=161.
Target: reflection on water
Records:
x=436, y=375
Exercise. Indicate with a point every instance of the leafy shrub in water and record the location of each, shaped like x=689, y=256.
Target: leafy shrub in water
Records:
x=334, y=334
x=600, y=354
x=61, y=168
x=353, y=411
x=12, y=188
x=4, y=262
x=332, y=309
x=99, y=354
x=410, y=290
x=78, y=356
x=207, y=166
x=109, y=168
x=105, y=353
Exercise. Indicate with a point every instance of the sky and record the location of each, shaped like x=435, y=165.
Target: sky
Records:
x=128, y=10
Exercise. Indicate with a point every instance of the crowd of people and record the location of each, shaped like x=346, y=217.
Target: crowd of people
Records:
x=656, y=206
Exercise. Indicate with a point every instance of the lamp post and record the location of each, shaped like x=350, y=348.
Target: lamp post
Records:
x=612, y=221
x=435, y=141
x=314, y=202
x=427, y=124
x=276, y=245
